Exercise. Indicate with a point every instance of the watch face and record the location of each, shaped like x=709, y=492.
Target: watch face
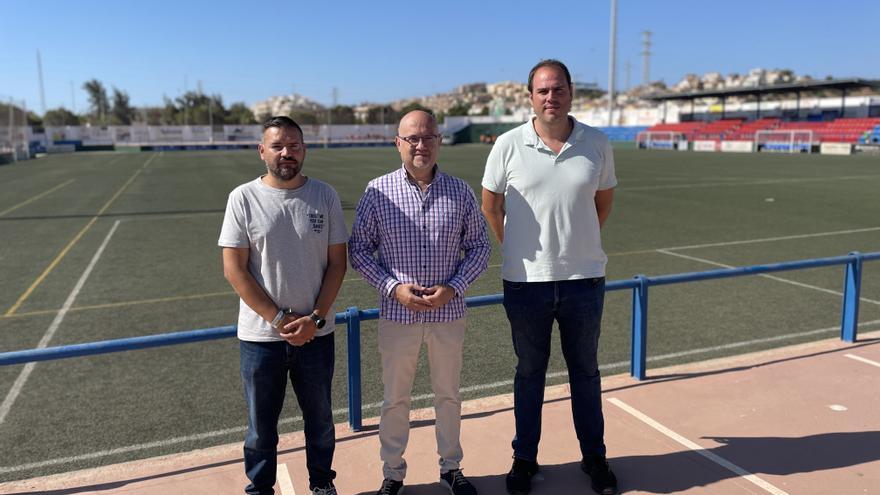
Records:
x=319, y=322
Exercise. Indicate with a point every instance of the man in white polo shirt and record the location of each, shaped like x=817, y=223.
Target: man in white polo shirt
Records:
x=547, y=189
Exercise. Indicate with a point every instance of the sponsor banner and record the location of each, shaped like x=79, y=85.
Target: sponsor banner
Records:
x=835, y=149
x=166, y=134
x=737, y=146
x=245, y=133
x=197, y=134
x=64, y=133
x=705, y=146
x=96, y=136
x=872, y=149
x=128, y=134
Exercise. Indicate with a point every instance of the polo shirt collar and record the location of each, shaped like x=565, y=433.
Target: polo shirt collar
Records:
x=530, y=137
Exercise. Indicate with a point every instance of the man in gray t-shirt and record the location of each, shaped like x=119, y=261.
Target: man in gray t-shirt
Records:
x=284, y=253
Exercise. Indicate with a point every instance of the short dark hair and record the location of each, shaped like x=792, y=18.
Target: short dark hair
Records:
x=282, y=122
x=550, y=62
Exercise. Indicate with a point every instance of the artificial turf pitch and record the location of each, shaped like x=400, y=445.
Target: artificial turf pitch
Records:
x=158, y=217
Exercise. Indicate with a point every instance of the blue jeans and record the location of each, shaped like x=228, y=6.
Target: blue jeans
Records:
x=265, y=367
x=576, y=305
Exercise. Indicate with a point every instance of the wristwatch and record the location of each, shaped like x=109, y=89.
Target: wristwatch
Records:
x=319, y=322
x=279, y=317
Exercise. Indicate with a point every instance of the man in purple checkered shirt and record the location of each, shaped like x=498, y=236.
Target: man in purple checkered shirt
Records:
x=431, y=240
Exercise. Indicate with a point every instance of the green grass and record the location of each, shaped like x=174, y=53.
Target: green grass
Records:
x=161, y=272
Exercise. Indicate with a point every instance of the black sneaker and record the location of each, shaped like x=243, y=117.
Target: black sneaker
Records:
x=602, y=480
x=390, y=487
x=519, y=479
x=456, y=483
x=327, y=489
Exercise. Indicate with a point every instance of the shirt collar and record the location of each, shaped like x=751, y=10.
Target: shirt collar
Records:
x=530, y=137
x=403, y=176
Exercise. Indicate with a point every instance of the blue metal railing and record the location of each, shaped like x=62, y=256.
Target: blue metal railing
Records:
x=353, y=317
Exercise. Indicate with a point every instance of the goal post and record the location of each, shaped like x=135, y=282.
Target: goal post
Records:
x=784, y=141
x=13, y=130
x=663, y=140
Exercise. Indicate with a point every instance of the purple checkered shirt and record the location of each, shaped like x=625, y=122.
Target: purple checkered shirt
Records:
x=420, y=238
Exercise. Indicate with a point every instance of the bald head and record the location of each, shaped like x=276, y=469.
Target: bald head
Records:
x=416, y=119
x=418, y=143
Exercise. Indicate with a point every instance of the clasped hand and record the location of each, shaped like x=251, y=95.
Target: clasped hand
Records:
x=297, y=329
x=414, y=297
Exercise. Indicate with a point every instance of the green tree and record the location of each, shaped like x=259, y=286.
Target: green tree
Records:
x=196, y=108
x=240, y=114
x=342, y=115
x=122, y=112
x=98, y=102
x=150, y=115
x=34, y=120
x=60, y=116
x=383, y=114
x=170, y=113
x=302, y=117
x=414, y=105
x=460, y=109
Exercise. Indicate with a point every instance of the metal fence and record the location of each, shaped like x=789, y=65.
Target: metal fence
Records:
x=353, y=317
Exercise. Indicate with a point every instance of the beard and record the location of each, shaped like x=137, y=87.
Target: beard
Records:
x=284, y=171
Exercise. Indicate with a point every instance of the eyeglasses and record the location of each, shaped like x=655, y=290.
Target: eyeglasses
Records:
x=414, y=140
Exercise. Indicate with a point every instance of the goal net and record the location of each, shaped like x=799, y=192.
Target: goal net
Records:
x=784, y=141
x=13, y=130
x=663, y=140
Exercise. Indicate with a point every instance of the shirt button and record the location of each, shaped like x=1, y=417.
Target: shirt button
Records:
x=424, y=227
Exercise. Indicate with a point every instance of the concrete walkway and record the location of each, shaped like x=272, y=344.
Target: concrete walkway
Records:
x=797, y=420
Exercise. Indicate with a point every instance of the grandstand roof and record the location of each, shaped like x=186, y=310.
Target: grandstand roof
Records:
x=797, y=87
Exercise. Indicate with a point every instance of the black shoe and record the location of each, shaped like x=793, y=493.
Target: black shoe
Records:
x=456, y=483
x=390, y=487
x=327, y=489
x=602, y=480
x=519, y=479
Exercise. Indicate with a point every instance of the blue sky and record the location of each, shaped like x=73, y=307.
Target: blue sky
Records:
x=385, y=50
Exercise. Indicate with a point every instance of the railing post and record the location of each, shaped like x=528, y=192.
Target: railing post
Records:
x=353, y=327
x=639, y=328
x=852, y=284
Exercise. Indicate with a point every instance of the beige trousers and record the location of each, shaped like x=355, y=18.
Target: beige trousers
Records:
x=399, y=346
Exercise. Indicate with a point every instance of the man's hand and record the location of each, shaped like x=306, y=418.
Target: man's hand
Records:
x=438, y=295
x=298, y=330
x=410, y=296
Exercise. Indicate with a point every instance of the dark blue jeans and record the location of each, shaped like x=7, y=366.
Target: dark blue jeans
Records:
x=576, y=305
x=265, y=367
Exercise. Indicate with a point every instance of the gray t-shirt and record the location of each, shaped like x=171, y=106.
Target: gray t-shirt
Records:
x=288, y=232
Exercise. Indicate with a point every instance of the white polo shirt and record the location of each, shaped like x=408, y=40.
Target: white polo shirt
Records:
x=551, y=229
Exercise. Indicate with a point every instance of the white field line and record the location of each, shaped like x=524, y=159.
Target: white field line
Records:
x=35, y=198
x=771, y=277
x=50, y=332
x=698, y=185
x=769, y=488
x=377, y=405
x=773, y=239
x=864, y=360
x=285, y=484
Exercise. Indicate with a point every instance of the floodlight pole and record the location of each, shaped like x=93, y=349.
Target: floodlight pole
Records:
x=11, y=124
x=42, y=90
x=612, y=61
